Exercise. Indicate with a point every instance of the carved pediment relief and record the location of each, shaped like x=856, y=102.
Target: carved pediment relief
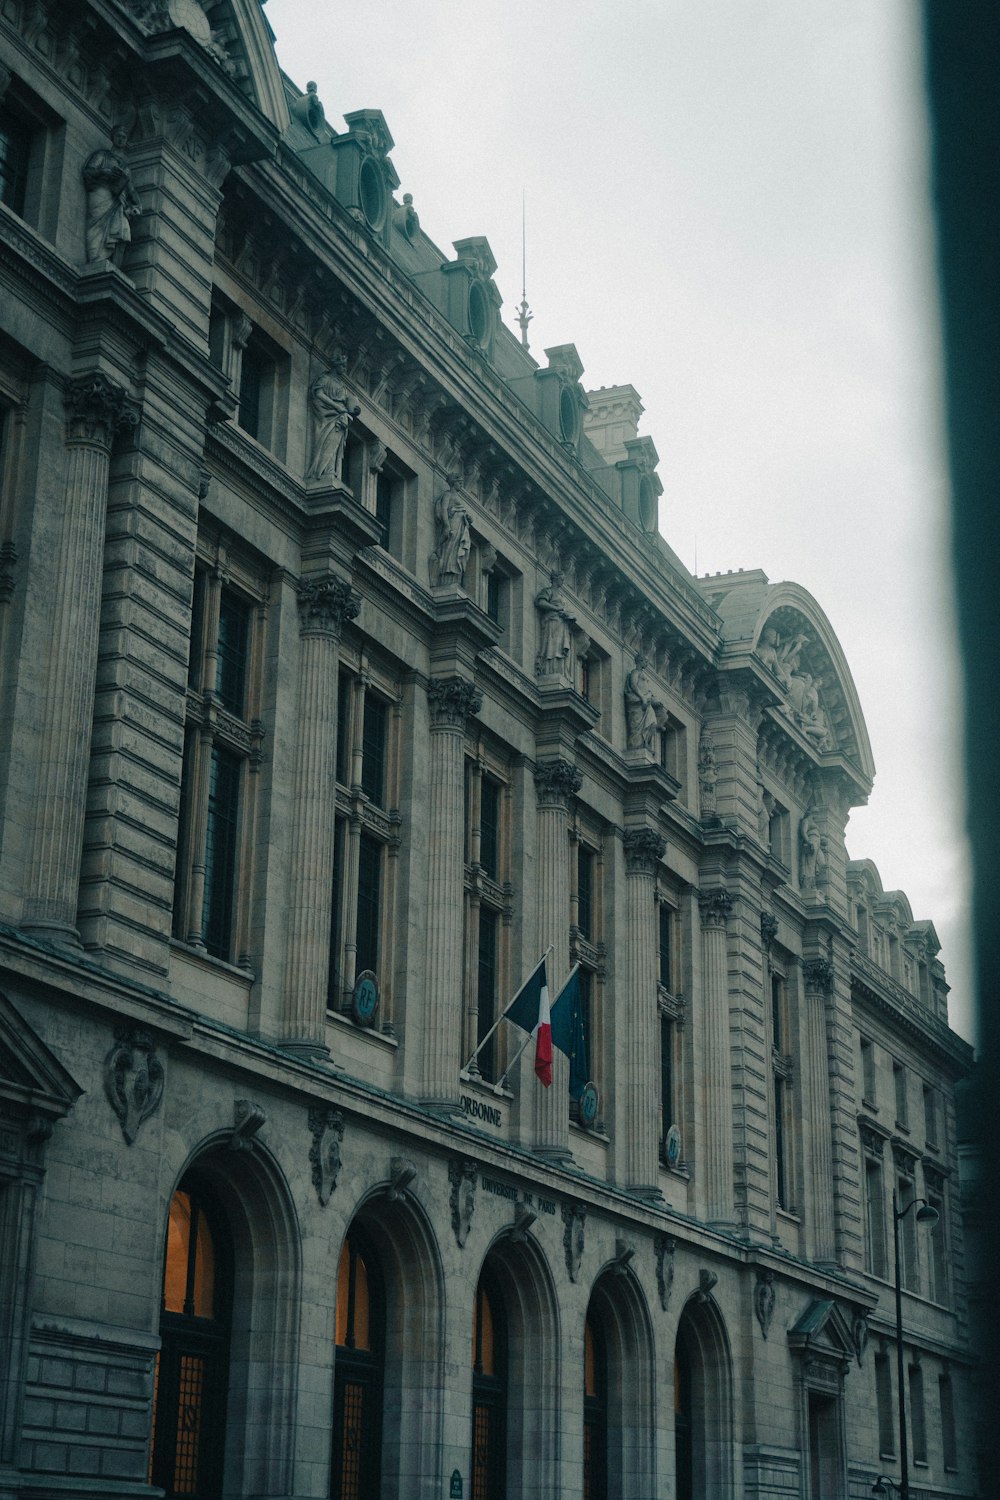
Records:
x=35, y=1088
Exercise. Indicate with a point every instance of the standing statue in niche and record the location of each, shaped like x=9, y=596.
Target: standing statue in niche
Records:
x=708, y=775
x=556, y=631
x=454, y=539
x=332, y=416
x=642, y=710
x=812, y=853
x=112, y=202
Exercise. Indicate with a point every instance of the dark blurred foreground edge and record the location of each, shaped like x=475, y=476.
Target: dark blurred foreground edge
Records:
x=963, y=88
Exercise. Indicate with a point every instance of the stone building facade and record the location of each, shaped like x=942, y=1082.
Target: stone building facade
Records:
x=344, y=672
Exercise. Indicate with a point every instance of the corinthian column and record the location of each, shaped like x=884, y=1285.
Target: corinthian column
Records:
x=452, y=700
x=324, y=605
x=636, y=1149
x=716, y=1150
x=96, y=408
x=818, y=976
x=556, y=781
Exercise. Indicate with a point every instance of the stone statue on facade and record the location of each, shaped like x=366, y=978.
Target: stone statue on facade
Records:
x=708, y=775
x=454, y=540
x=780, y=657
x=642, y=711
x=812, y=853
x=804, y=707
x=112, y=202
x=333, y=413
x=557, y=624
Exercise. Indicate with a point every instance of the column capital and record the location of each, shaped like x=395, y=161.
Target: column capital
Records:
x=715, y=906
x=818, y=974
x=556, y=781
x=325, y=604
x=452, y=700
x=644, y=848
x=97, y=408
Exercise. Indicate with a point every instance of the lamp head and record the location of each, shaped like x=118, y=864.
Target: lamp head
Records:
x=927, y=1215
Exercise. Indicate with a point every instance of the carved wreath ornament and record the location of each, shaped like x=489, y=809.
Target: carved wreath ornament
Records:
x=133, y=1079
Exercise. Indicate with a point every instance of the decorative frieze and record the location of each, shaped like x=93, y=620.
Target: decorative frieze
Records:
x=133, y=1079
x=574, y=1217
x=462, y=1176
x=327, y=1129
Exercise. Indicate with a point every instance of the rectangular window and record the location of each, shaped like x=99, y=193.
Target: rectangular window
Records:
x=486, y=991
x=666, y=1077
x=232, y=651
x=930, y=1115
x=666, y=953
x=15, y=154
x=874, y=1217
x=948, y=1441
x=899, y=1085
x=489, y=826
x=494, y=595
x=780, y=1144
x=587, y=1013
x=387, y=487
x=585, y=892
x=867, y=1071
x=864, y=936
x=369, y=904
x=257, y=366
x=778, y=1013
x=373, y=749
x=883, y=1399
x=345, y=697
x=907, y=1234
x=253, y=392
x=918, y=1424
x=937, y=1251
x=221, y=752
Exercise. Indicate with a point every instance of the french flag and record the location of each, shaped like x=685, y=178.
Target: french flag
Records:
x=530, y=1010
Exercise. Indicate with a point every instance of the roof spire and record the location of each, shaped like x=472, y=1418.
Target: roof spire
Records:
x=523, y=315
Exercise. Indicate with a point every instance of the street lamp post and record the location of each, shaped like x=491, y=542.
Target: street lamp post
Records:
x=925, y=1215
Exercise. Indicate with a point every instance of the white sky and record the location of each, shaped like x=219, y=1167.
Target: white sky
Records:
x=727, y=208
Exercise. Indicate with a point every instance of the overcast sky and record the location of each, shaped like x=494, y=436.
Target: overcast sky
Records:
x=726, y=207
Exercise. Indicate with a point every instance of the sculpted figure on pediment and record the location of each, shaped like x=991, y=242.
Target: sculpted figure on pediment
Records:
x=804, y=707
x=781, y=657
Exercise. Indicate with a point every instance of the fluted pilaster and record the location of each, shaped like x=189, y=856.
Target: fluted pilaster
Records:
x=96, y=409
x=637, y=1012
x=556, y=781
x=818, y=976
x=716, y=1152
x=452, y=700
x=324, y=605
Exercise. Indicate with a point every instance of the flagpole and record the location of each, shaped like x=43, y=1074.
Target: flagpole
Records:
x=498, y=1086
x=503, y=1014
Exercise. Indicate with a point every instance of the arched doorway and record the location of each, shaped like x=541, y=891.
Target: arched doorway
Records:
x=192, y=1371
x=359, y=1372
x=703, y=1404
x=489, y=1393
x=595, y=1413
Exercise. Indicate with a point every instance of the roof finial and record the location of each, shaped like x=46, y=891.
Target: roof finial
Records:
x=523, y=316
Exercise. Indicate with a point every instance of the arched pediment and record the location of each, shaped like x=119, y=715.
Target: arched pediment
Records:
x=785, y=634
x=242, y=29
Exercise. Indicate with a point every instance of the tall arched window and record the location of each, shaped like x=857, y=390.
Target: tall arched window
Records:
x=192, y=1371
x=489, y=1395
x=595, y=1414
x=356, y=1462
x=684, y=1489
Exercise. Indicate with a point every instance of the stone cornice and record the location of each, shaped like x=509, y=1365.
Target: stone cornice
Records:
x=872, y=986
